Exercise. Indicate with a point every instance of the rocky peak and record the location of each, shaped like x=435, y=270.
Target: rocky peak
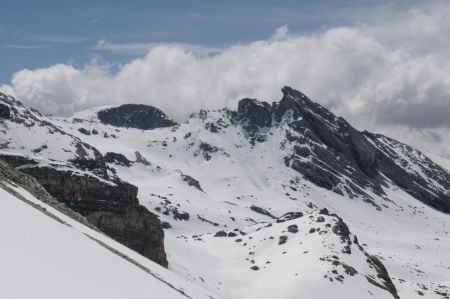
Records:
x=331, y=153
x=135, y=116
x=257, y=113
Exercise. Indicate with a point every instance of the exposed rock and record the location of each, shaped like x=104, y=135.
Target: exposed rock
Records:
x=135, y=116
x=221, y=233
x=282, y=240
x=116, y=158
x=293, y=228
x=320, y=219
x=141, y=159
x=136, y=228
x=383, y=274
x=191, y=181
x=289, y=216
x=324, y=211
x=16, y=160
x=180, y=216
x=390, y=158
x=84, y=131
x=207, y=149
x=262, y=211
x=258, y=114
x=4, y=112
x=84, y=161
x=166, y=225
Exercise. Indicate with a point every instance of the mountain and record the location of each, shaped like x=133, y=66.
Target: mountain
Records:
x=272, y=200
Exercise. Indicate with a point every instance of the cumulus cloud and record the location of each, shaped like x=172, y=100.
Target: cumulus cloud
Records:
x=397, y=82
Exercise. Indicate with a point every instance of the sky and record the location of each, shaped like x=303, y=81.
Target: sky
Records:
x=383, y=65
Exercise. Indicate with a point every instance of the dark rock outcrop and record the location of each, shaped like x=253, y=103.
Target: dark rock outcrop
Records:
x=431, y=184
x=16, y=160
x=257, y=114
x=191, y=181
x=141, y=159
x=4, y=111
x=135, y=116
x=262, y=211
x=84, y=131
x=116, y=158
x=293, y=228
x=84, y=161
x=289, y=216
x=221, y=233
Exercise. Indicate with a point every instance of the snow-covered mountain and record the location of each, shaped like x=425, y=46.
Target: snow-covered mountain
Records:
x=281, y=200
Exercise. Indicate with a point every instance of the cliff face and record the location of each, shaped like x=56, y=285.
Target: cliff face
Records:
x=112, y=207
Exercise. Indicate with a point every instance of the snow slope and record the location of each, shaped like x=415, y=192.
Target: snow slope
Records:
x=49, y=255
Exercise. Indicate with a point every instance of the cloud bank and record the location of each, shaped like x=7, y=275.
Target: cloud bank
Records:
x=392, y=77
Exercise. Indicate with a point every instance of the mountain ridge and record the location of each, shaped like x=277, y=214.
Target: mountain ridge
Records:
x=267, y=172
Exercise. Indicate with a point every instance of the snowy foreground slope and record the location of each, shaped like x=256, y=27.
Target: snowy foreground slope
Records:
x=46, y=254
x=272, y=205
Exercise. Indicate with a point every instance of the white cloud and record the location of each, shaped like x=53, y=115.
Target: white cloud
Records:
x=375, y=82
x=139, y=48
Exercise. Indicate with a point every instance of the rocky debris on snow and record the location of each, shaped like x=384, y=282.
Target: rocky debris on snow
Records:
x=212, y=127
x=135, y=116
x=84, y=161
x=203, y=219
x=191, y=181
x=221, y=233
x=207, y=149
x=289, y=216
x=84, y=131
x=118, y=159
x=293, y=228
x=141, y=159
x=282, y=240
x=320, y=219
x=180, y=215
x=262, y=211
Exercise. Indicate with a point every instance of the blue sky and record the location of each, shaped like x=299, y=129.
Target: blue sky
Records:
x=35, y=34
